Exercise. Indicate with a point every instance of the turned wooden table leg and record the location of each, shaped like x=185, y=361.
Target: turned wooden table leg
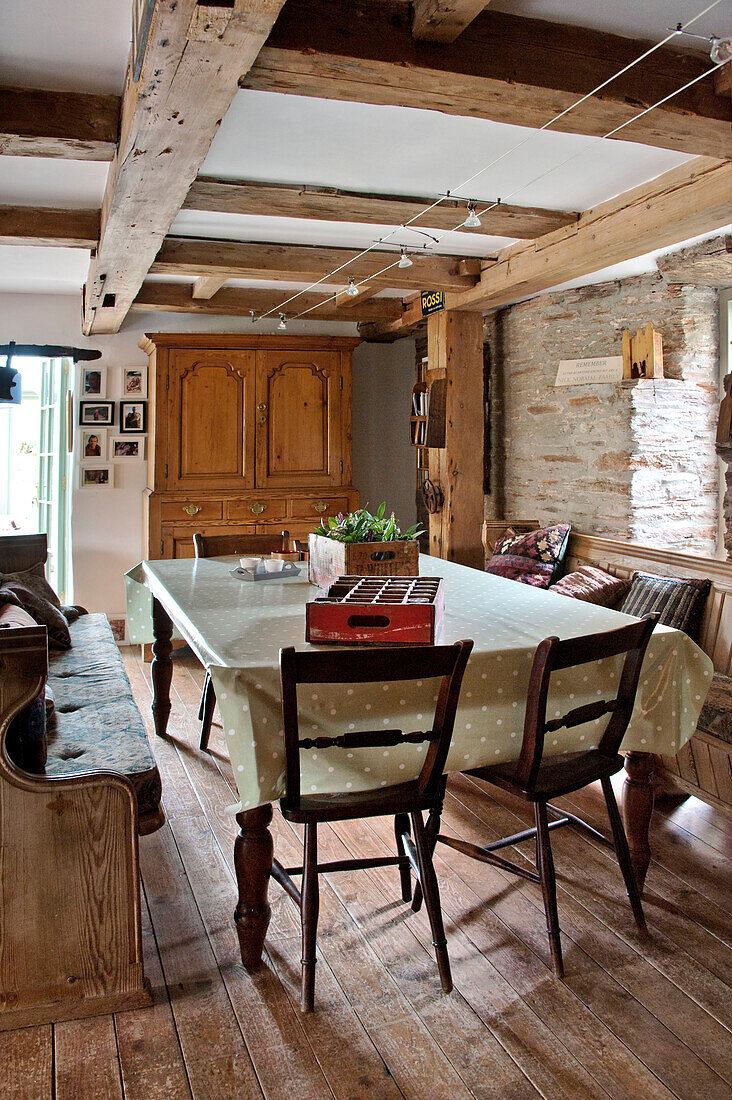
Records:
x=162, y=666
x=637, y=810
x=253, y=850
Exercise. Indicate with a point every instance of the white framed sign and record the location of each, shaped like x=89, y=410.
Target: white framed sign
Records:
x=583, y=372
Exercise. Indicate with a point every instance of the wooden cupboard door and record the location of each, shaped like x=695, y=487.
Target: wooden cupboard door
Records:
x=210, y=419
x=298, y=418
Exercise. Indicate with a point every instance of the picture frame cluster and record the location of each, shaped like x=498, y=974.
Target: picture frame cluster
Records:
x=100, y=450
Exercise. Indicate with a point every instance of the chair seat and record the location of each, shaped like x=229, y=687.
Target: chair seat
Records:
x=401, y=798
x=558, y=775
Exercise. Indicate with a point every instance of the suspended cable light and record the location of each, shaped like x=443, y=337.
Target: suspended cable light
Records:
x=404, y=260
x=472, y=221
x=352, y=290
x=283, y=323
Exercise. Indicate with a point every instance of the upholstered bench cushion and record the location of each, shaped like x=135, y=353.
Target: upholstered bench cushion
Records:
x=97, y=726
x=716, y=715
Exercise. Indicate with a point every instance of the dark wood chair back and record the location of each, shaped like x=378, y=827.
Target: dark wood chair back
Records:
x=219, y=546
x=350, y=666
x=554, y=655
x=21, y=552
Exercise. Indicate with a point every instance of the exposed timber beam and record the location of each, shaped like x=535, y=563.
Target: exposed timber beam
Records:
x=239, y=301
x=503, y=67
x=206, y=287
x=43, y=225
x=194, y=56
x=306, y=263
x=690, y=200
x=443, y=20
x=79, y=126
x=284, y=200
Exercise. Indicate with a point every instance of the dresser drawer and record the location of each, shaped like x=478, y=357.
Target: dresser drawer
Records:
x=316, y=507
x=258, y=509
x=197, y=511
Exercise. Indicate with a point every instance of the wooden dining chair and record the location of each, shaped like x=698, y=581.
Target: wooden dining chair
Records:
x=537, y=777
x=404, y=800
x=221, y=546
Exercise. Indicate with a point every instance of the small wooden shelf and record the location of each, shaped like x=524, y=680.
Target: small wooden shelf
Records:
x=428, y=429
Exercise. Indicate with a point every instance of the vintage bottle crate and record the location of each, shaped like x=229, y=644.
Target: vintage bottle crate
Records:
x=330, y=559
x=377, y=611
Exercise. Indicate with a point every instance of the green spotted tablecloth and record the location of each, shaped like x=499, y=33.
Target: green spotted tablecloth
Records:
x=237, y=628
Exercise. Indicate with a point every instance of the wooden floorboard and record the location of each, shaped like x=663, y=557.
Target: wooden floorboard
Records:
x=634, y=1019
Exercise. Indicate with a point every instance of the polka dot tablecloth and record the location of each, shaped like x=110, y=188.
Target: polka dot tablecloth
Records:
x=237, y=629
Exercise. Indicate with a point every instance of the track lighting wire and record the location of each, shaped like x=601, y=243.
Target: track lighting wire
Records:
x=530, y=137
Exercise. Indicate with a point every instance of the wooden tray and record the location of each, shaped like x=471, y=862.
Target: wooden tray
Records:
x=377, y=611
x=289, y=569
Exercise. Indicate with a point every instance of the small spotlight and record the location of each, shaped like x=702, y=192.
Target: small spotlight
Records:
x=472, y=221
x=352, y=290
x=283, y=323
x=404, y=260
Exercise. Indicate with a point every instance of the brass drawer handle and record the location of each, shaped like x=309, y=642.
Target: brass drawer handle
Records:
x=320, y=506
x=192, y=509
x=258, y=509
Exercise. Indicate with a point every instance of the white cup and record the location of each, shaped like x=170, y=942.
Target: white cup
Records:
x=249, y=563
x=273, y=565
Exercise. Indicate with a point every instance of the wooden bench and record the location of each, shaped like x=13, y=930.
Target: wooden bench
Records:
x=70, y=928
x=704, y=766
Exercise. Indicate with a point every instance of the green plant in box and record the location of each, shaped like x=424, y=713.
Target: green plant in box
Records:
x=362, y=526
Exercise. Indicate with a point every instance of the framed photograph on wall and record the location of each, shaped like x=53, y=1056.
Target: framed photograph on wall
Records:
x=124, y=447
x=96, y=476
x=93, y=382
x=99, y=413
x=133, y=416
x=93, y=443
x=134, y=381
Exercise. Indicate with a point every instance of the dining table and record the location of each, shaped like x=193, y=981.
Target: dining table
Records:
x=236, y=628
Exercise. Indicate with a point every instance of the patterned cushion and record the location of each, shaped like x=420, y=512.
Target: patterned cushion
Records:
x=31, y=591
x=535, y=558
x=26, y=736
x=96, y=724
x=679, y=601
x=592, y=585
x=716, y=715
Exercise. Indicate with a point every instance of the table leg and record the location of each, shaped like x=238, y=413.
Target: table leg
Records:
x=162, y=666
x=638, y=799
x=253, y=850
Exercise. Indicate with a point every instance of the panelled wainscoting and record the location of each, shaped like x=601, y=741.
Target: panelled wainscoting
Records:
x=632, y=1019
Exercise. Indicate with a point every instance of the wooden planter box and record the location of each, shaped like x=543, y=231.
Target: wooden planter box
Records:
x=330, y=560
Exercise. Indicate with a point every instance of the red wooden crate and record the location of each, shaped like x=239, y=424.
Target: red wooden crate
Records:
x=377, y=611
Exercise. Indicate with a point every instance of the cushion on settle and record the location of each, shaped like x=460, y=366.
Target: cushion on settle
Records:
x=535, y=558
x=678, y=600
x=25, y=740
x=96, y=725
x=31, y=591
x=592, y=585
x=716, y=714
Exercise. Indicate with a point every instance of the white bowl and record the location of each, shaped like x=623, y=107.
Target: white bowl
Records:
x=249, y=563
x=273, y=565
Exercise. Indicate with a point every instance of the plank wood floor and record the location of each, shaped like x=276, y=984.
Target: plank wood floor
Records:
x=633, y=1019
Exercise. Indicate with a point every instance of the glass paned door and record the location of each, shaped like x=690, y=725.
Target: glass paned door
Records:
x=54, y=496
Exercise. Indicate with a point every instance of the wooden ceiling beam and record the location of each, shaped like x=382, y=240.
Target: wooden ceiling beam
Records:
x=75, y=125
x=282, y=200
x=443, y=20
x=690, y=200
x=41, y=225
x=503, y=67
x=305, y=263
x=239, y=301
x=192, y=61
x=205, y=287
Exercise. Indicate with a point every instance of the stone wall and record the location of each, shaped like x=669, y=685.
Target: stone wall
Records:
x=630, y=460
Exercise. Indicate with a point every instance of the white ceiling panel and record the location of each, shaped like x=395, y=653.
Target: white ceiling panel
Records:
x=79, y=46
x=402, y=150
x=39, y=181
x=42, y=270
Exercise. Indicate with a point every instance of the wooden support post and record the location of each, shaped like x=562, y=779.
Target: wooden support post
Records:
x=455, y=351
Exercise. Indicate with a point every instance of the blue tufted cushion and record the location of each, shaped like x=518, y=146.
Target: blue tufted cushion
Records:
x=96, y=725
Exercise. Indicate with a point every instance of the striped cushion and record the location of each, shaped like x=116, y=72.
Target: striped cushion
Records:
x=678, y=600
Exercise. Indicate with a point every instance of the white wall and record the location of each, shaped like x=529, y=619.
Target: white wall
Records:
x=107, y=524
x=383, y=458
